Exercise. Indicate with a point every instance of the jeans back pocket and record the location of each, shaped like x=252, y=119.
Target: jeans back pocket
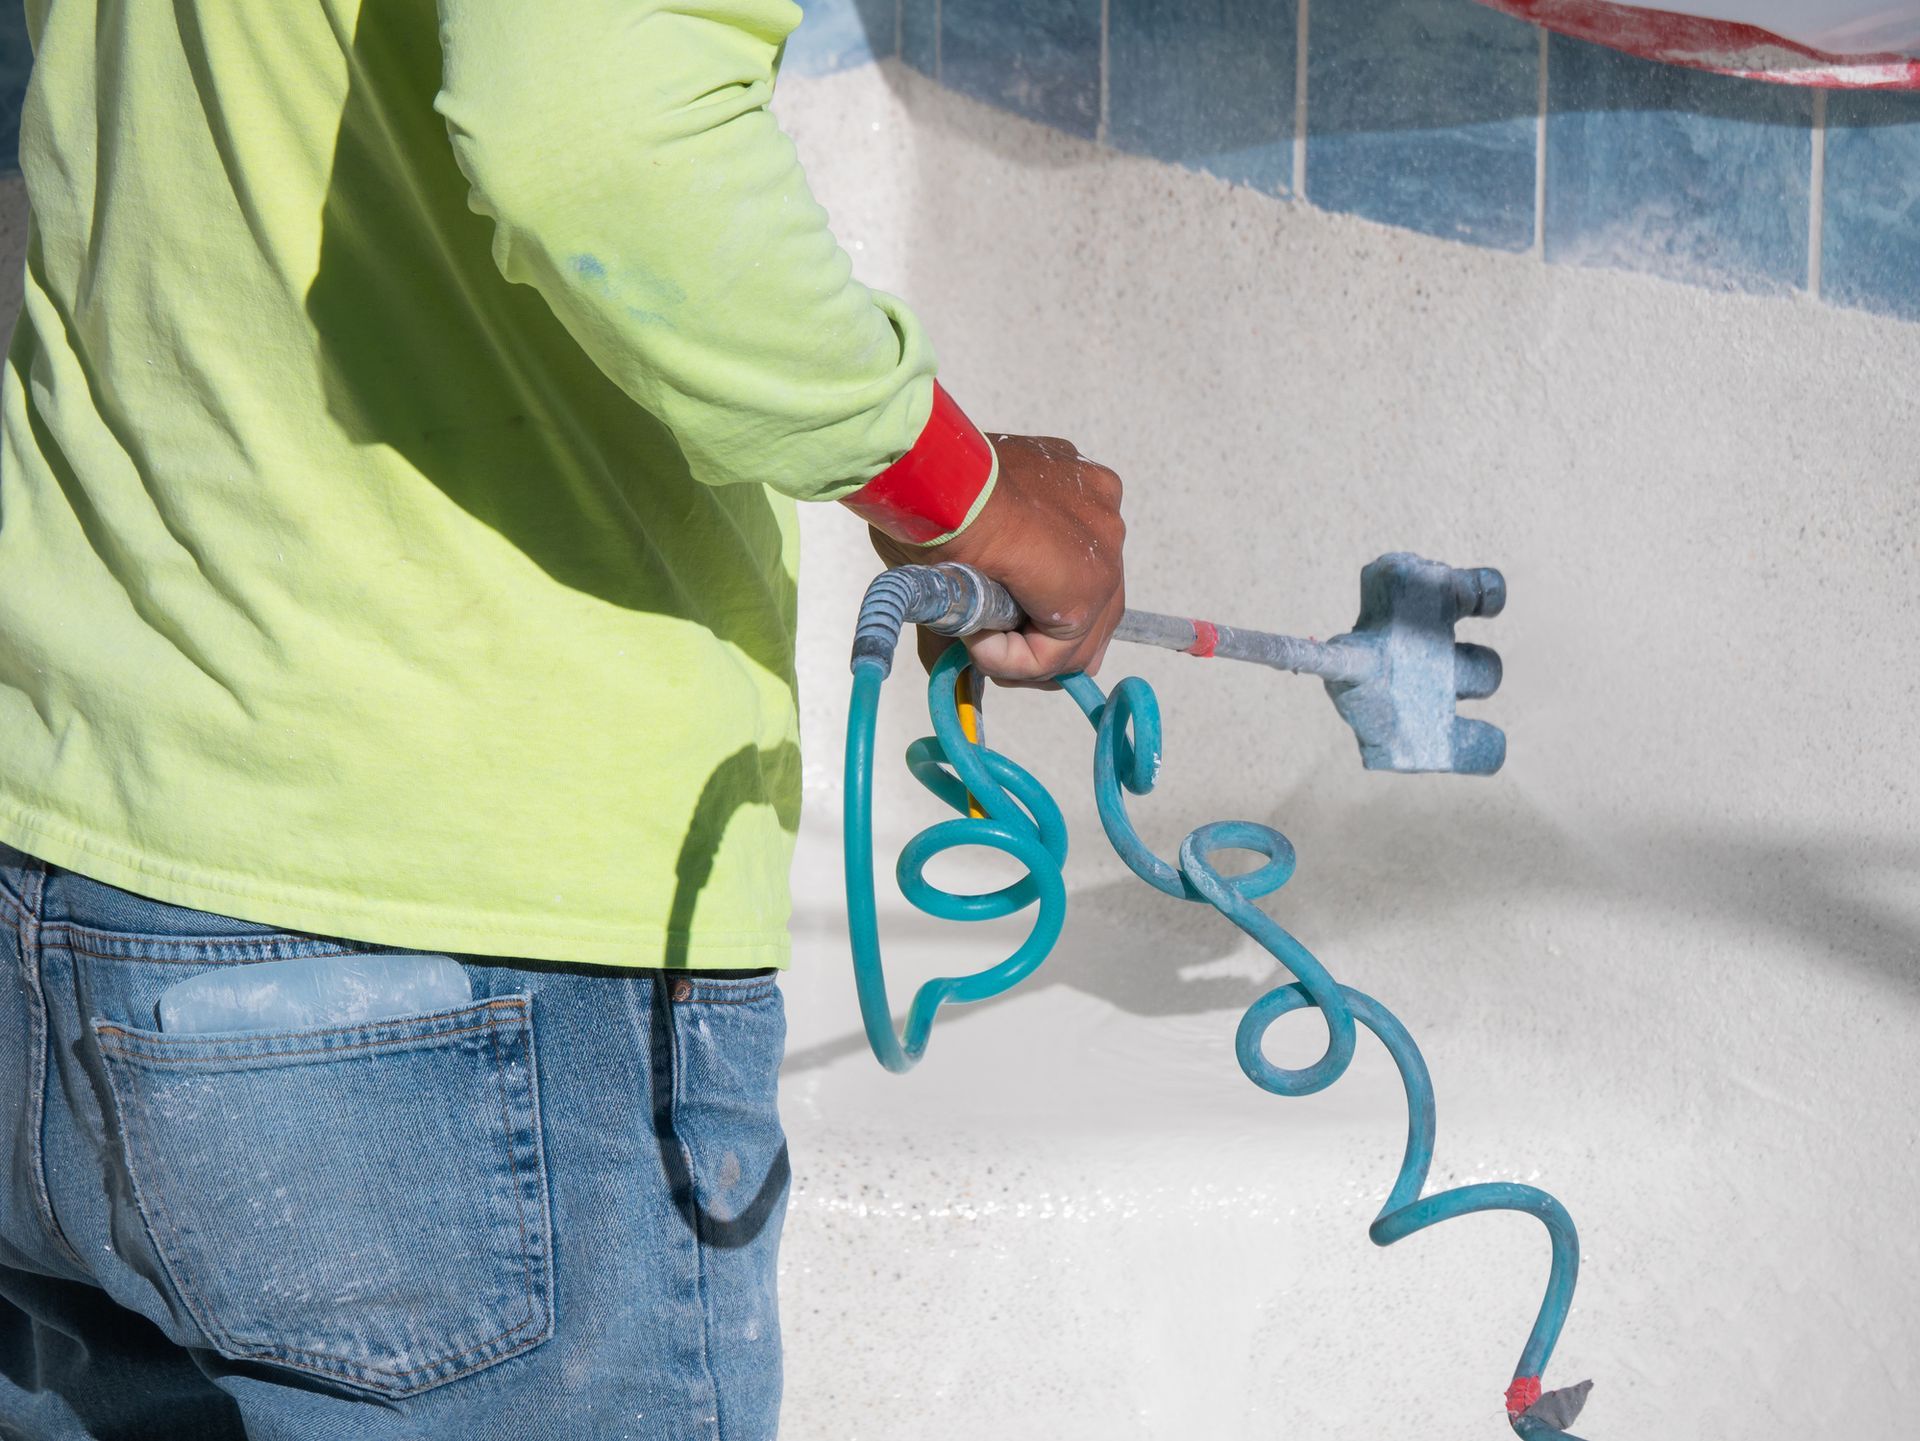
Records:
x=363, y=1203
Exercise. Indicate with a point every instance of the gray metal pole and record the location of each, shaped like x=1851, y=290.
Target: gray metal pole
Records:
x=958, y=600
x=1282, y=652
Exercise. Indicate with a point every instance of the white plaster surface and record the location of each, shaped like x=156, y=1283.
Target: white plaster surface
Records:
x=1666, y=964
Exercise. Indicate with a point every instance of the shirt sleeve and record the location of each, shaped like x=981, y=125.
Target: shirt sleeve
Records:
x=634, y=176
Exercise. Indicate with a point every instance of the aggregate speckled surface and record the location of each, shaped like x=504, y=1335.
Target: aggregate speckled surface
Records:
x=1666, y=964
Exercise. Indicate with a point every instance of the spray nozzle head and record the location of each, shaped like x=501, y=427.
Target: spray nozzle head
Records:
x=1404, y=710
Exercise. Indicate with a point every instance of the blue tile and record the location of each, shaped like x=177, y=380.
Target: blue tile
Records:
x=1423, y=114
x=1208, y=83
x=1870, y=225
x=840, y=34
x=16, y=60
x=1693, y=176
x=919, y=31
x=1037, y=58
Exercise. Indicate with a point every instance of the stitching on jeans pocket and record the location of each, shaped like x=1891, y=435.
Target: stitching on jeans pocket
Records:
x=377, y=1216
x=361, y=1036
x=161, y=948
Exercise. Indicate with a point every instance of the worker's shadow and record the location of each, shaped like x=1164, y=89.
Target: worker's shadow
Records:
x=748, y=777
x=1838, y=899
x=1387, y=859
x=724, y=1226
x=425, y=350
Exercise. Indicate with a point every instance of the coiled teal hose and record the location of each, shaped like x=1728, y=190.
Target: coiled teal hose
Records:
x=1023, y=821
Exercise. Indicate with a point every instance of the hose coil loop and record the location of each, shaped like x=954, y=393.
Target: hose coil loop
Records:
x=1023, y=821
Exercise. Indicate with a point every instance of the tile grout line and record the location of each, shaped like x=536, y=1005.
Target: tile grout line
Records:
x=1540, y=158
x=1300, y=100
x=939, y=30
x=899, y=30
x=1100, y=131
x=1816, y=193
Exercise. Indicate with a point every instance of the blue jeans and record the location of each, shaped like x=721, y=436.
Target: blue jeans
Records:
x=554, y=1212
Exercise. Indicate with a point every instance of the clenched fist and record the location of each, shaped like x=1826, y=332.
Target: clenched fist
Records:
x=1051, y=533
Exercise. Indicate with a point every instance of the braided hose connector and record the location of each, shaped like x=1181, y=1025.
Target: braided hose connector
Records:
x=951, y=598
x=891, y=602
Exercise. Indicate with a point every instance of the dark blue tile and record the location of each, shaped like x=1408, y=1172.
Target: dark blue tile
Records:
x=919, y=32
x=16, y=60
x=1693, y=176
x=1037, y=58
x=1208, y=83
x=1870, y=226
x=1423, y=114
x=840, y=34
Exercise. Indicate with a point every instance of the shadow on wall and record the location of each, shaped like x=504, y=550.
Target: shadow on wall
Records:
x=1831, y=897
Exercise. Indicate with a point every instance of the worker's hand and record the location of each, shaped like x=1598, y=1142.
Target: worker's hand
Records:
x=1051, y=533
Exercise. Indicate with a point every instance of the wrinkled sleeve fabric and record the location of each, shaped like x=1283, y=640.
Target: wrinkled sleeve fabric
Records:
x=634, y=176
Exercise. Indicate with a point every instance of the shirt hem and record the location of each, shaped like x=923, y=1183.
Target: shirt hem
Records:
x=406, y=925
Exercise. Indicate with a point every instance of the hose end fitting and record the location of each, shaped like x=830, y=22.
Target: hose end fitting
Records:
x=950, y=598
x=1524, y=1391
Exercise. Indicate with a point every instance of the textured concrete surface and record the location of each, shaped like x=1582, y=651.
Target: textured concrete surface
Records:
x=1666, y=964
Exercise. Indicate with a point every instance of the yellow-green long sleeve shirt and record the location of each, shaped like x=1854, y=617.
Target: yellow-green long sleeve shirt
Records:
x=397, y=455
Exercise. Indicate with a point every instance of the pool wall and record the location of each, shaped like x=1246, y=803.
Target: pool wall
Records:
x=1450, y=118
x=1665, y=964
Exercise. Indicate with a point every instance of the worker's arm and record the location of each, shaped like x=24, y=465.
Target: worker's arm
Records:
x=1052, y=535
x=624, y=151
x=634, y=176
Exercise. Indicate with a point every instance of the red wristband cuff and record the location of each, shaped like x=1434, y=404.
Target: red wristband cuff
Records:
x=928, y=493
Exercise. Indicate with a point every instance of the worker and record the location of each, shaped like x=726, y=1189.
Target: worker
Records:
x=401, y=436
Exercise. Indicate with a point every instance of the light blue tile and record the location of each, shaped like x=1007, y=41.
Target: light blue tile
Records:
x=837, y=35
x=1693, y=176
x=919, y=27
x=1208, y=83
x=16, y=61
x=1037, y=58
x=1423, y=114
x=1870, y=230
